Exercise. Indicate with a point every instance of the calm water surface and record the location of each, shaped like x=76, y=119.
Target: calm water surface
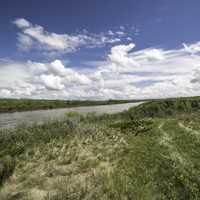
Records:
x=9, y=120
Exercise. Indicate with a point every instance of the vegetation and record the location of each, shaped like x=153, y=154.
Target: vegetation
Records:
x=12, y=105
x=131, y=155
x=163, y=108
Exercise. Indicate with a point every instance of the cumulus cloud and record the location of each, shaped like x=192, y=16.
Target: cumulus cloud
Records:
x=70, y=76
x=29, y=79
x=119, y=56
x=56, y=67
x=125, y=74
x=52, y=82
x=36, y=37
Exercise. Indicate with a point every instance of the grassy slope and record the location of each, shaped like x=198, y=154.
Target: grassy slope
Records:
x=163, y=108
x=107, y=157
x=12, y=105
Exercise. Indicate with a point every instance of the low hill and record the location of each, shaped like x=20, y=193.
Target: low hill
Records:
x=163, y=108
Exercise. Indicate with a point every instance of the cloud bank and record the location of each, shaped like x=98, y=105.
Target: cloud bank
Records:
x=124, y=74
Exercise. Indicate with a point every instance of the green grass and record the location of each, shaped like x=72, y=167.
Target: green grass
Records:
x=104, y=157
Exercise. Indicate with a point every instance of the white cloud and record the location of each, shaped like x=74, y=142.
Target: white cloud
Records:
x=46, y=40
x=52, y=82
x=36, y=37
x=192, y=48
x=22, y=23
x=126, y=74
x=50, y=40
x=70, y=76
x=5, y=93
x=58, y=68
x=31, y=79
x=25, y=42
x=154, y=54
x=119, y=56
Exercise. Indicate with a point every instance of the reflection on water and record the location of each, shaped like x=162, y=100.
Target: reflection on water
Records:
x=8, y=120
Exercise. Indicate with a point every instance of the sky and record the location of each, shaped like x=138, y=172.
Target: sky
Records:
x=99, y=49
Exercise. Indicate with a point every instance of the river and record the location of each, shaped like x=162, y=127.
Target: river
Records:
x=10, y=120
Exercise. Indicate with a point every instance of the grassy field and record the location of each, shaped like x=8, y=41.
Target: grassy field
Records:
x=127, y=156
x=12, y=105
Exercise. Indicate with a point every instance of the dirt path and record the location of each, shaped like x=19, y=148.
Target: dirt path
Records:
x=166, y=140
x=189, y=130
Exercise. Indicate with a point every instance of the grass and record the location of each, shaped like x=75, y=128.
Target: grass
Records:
x=104, y=157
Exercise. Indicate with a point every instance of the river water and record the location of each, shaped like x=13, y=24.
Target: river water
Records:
x=10, y=120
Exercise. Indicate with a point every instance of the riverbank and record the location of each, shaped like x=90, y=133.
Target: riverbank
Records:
x=20, y=105
x=104, y=157
x=11, y=120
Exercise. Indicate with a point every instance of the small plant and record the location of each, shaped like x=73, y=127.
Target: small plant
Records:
x=73, y=114
x=7, y=165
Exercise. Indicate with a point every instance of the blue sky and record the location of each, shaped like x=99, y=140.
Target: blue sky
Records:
x=96, y=49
